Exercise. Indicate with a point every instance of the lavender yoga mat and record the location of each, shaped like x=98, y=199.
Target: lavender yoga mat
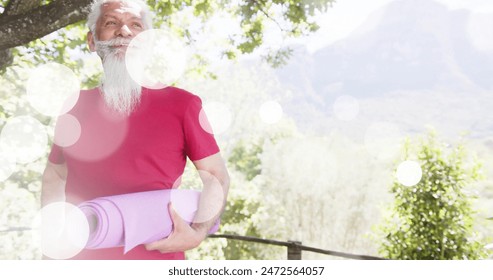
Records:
x=132, y=219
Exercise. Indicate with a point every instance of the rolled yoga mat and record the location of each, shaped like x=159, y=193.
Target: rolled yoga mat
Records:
x=132, y=219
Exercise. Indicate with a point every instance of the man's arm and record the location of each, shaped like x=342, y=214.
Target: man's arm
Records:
x=53, y=183
x=215, y=178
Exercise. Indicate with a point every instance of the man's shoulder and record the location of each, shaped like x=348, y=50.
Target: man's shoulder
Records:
x=89, y=91
x=174, y=94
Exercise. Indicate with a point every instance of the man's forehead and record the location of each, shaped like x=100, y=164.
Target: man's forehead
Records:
x=117, y=7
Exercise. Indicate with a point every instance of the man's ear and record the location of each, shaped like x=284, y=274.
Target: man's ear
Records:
x=90, y=41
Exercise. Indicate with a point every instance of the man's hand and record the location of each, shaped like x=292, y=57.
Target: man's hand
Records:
x=182, y=238
x=214, y=176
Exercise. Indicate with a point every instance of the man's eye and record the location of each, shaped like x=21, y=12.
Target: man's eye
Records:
x=137, y=25
x=108, y=23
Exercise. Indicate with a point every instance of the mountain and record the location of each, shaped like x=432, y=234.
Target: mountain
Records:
x=413, y=62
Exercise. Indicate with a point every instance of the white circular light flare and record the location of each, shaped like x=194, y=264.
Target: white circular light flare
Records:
x=67, y=131
x=52, y=89
x=409, y=173
x=214, y=193
x=61, y=229
x=156, y=58
x=215, y=117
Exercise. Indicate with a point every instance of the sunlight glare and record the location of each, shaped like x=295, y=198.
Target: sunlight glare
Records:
x=156, y=59
x=61, y=230
x=409, y=173
x=67, y=130
x=52, y=89
x=215, y=117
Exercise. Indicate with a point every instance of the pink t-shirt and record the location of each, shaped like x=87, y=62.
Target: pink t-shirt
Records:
x=115, y=154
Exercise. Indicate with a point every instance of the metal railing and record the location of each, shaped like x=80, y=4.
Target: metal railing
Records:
x=294, y=248
x=12, y=229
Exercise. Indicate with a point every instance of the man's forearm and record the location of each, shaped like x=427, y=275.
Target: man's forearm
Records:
x=212, y=201
x=52, y=192
x=53, y=185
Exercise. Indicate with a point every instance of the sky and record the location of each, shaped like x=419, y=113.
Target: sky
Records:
x=346, y=16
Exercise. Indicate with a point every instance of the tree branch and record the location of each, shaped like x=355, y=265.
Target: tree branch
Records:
x=17, y=30
x=14, y=7
x=260, y=6
x=18, y=7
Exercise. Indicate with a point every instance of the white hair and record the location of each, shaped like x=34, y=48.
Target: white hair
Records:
x=95, y=13
x=120, y=91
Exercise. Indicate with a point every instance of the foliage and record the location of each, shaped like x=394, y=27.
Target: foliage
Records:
x=246, y=159
x=20, y=193
x=293, y=18
x=17, y=244
x=247, y=27
x=434, y=219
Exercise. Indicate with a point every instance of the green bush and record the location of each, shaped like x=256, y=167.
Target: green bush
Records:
x=433, y=220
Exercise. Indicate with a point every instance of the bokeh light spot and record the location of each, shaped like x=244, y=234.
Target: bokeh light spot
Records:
x=23, y=139
x=52, y=89
x=67, y=131
x=102, y=133
x=409, y=173
x=212, y=196
x=215, y=117
x=346, y=108
x=61, y=230
x=156, y=58
x=204, y=122
x=270, y=112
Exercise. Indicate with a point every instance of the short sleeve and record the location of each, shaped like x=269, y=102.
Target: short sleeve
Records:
x=199, y=138
x=56, y=155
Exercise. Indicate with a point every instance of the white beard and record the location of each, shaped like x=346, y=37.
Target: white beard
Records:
x=121, y=93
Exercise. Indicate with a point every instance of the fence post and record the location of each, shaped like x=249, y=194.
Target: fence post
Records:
x=294, y=250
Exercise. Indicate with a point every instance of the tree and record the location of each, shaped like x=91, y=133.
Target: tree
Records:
x=24, y=21
x=434, y=218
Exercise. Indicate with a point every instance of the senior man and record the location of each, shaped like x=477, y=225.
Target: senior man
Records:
x=134, y=139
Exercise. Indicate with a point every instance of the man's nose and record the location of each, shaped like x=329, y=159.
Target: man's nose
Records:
x=123, y=31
